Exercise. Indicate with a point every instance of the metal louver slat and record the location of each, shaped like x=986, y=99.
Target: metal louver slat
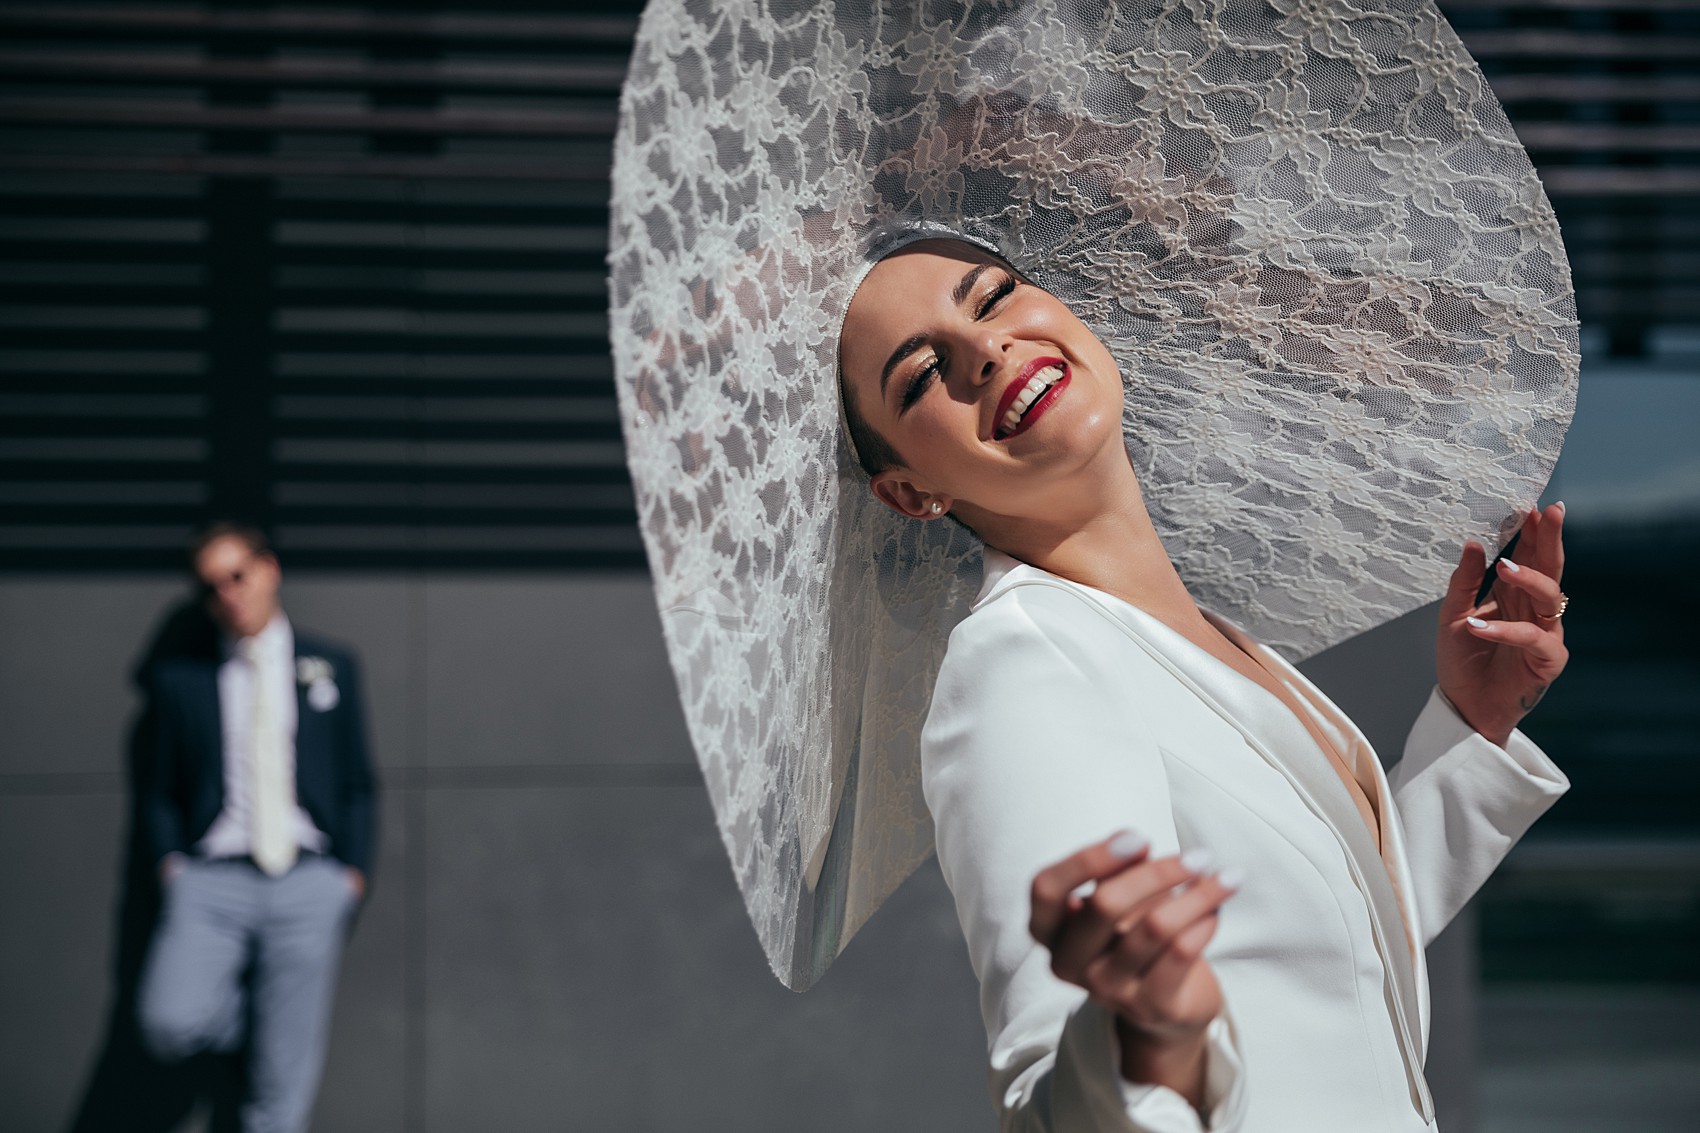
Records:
x=571, y=74
x=99, y=113
x=547, y=23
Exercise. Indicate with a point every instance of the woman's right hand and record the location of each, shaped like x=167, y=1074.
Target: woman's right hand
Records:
x=1131, y=930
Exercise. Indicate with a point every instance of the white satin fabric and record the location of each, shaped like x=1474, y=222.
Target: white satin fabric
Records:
x=1062, y=715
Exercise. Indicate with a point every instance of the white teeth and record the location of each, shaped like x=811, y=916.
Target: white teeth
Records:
x=1036, y=385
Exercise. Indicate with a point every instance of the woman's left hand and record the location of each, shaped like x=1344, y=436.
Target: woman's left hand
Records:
x=1498, y=659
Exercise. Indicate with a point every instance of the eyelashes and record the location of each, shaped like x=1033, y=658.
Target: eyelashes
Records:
x=919, y=383
x=923, y=379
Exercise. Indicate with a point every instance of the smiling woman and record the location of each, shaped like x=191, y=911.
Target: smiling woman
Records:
x=1216, y=365
x=1087, y=696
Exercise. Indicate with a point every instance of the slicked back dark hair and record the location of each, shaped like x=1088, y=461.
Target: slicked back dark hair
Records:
x=251, y=537
x=873, y=451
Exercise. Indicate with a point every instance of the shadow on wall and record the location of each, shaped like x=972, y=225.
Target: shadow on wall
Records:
x=128, y=1087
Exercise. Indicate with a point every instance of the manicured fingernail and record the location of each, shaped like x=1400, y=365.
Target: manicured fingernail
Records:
x=1509, y=565
x=1231, y=878
x=1084, y=890
x=1197, y=860
x=1559, y=504
x=1127, y=843
x=1476, y=622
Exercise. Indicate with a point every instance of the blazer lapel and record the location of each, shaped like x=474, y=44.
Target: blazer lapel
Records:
x=209, y=720
x=1366, y=768
x=308, y=721
x=1270, y=729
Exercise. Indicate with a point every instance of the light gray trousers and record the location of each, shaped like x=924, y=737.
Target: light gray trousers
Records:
x=239, y=952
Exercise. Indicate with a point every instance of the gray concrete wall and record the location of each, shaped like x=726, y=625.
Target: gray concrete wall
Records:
x=554, y=939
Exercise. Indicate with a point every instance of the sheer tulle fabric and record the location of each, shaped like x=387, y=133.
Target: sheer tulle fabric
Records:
x=1304, y=228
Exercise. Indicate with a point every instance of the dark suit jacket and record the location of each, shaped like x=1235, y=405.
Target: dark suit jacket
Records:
x=182, y=771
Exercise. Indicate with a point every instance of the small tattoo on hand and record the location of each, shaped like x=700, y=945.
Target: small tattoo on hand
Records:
x=1528, y=702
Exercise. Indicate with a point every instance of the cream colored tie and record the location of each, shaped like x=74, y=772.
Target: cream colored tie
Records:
x=274, y=846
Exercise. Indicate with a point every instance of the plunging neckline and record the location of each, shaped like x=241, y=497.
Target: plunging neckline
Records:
x=1306, y=711
x=1368, y=801
x=1199, y=668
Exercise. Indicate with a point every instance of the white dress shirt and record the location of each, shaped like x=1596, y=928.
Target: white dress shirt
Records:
x=229, y=835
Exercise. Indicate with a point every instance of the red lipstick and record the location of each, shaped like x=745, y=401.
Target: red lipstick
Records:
x=1019, y=383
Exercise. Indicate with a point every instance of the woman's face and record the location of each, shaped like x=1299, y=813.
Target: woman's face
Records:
x=990, y=390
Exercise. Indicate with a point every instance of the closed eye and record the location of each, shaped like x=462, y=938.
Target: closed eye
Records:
x=919, y=383
x=923, y=378
x=997, y=295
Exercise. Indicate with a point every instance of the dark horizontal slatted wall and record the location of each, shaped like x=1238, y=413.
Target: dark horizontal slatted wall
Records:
x=338, y=269
x=1606, y=96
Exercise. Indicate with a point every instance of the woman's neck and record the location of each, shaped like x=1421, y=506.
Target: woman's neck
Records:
x=1105, y=540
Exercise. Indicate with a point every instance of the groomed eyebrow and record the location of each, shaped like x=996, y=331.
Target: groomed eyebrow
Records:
x=966, y=284
x=958, y=295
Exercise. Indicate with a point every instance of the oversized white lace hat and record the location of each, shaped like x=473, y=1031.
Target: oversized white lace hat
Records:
x=1303, y=227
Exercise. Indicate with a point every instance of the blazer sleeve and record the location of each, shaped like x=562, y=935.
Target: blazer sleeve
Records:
x=1464, y=802
x=356, y=782
x=1032, y=749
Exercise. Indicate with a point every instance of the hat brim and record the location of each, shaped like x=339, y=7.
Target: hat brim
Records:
x=1308, y=235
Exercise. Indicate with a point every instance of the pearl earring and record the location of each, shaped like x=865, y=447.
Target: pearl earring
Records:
x=938, y=508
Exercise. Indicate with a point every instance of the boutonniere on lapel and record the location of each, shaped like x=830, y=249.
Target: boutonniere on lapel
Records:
x=317, y=675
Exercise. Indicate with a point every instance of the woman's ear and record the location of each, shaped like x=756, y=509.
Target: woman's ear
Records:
x=908, y=498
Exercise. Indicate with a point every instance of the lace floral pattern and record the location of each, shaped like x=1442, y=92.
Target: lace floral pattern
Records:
x=1304, y=229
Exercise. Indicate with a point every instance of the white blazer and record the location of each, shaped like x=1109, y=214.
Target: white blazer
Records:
x=1062, y=715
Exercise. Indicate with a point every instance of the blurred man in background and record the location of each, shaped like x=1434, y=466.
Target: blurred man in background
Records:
x=257, y=805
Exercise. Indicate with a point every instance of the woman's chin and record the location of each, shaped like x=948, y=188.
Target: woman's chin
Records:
x=1068, y=436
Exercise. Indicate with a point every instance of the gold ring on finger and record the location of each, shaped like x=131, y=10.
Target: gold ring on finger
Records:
x=1563, y=605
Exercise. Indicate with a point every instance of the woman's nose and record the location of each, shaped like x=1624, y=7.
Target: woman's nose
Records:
x=994, y=352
